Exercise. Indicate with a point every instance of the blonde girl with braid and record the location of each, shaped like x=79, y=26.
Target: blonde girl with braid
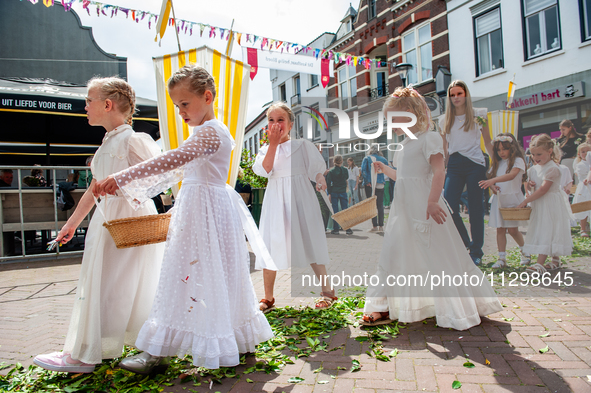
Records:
x=548, y=232
x=116, y=286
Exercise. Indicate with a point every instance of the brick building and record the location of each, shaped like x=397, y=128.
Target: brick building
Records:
x=393, y=32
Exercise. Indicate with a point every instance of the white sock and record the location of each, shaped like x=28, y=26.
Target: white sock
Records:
x=502, y=254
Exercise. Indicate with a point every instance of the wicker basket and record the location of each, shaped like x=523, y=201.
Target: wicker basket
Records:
x=581, y=207
x=573, y=189
x=357, y=214
x=139, y=231
x=515, y=214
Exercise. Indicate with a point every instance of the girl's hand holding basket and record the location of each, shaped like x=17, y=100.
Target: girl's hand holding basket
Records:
x=484, y=184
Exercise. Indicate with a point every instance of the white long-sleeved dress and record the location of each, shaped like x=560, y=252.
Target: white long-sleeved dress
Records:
x=291, y=221
x=205, y=302
x=116, y=286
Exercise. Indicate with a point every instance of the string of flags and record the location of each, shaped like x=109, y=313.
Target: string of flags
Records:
x=183, y=26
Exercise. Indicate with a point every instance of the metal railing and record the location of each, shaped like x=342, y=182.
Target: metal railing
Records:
x=296, y=99
x=51, y=188
x=379, y=92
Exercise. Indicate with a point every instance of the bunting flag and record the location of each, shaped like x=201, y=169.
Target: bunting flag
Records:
x=230, y=104
x=511, y=92
x=163, y=20
x=164, y=16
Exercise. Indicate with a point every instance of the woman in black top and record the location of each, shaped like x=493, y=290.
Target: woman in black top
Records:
x=568, y=142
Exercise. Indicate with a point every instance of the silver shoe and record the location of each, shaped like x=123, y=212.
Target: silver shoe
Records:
x=142, y=363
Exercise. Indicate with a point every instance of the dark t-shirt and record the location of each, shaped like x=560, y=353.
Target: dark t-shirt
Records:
x=336, y=180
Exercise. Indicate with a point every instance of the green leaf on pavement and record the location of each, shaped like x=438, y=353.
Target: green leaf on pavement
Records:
x=543, y=350
x=456, y=385
x=544, y=335
x=469, y=365
x=295, y=380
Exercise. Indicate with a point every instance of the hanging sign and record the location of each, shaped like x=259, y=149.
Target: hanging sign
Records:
x=286, y=62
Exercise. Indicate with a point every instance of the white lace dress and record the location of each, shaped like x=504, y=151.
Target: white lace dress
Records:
x=291, y=221
x=510, y=195
x=549, y=223
x=583, y=192
x=116, y=286
x=205, y=303
x=417, y=251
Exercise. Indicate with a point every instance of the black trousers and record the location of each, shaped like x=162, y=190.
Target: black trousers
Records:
x=379, y=220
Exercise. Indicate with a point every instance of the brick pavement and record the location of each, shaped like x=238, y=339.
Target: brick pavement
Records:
x=36, y=299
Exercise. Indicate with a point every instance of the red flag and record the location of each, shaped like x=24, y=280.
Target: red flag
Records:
x=252, y=61
x=324, y=71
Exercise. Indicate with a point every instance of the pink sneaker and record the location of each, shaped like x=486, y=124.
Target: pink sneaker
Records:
x=63, y=363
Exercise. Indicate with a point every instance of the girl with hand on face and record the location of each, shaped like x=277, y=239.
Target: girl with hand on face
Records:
x=291, y=221
x=549, y=224
x=420, y=242
x=465, y=163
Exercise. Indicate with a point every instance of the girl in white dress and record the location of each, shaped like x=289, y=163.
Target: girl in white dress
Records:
x=549, y=226
x=291, y=221
x=583, y=191
x=116, y=286
x=505, y=179
x=205, y=303
x=420, y=245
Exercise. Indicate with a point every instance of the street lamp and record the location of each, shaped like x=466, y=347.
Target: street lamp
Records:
x=442, y=81
x=403, y=69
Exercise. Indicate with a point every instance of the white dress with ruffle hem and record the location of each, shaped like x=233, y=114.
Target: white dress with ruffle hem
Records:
x=417, y=252
x=116, y=286
x=549, y=224
x=205, y=303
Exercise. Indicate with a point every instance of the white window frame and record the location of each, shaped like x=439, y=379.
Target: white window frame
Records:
x=351, y=75
x=542, y=22
x=417, y=48
x=586, y=28
x=476, y=38
x=374, y=79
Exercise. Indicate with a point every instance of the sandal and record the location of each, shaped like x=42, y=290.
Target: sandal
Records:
x=269, y=305
x=501, y=262
x=584, y=234
x=369, y=320
x=525, y=259
x=325, y=302
x=536, y=268
x=554, y=264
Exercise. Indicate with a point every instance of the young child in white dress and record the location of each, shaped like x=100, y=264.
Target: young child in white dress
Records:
x=291, y=221
x=549, y=225
x=583, y=191
x=505, y=179
x=420, y=242
x=116, y=286
x=205, y=303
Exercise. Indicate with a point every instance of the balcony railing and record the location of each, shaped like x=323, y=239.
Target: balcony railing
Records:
x=379, y=92
x=296, y=100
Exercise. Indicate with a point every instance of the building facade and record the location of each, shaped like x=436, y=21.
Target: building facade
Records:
x=391, y=32
x=545, y=45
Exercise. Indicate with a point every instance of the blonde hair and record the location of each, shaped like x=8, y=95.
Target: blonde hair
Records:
x=543, y=141
x=338, y=159
x=197, y=78
x=284, y=107
x=579, y=149
x=450, y=110
x=118, y=91
x=410, y=99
